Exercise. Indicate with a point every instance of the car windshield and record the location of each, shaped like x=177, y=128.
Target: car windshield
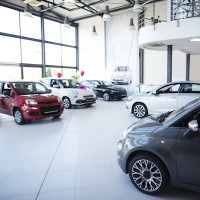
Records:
x=27, y=88
x=106, y=83
x=66, y=83
x=182, y=109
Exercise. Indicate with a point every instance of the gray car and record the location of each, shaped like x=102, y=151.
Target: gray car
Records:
x=155, y=150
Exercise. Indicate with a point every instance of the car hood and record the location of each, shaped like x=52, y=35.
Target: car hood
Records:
x=85, y=91
x=144, y=126
x=41, y=98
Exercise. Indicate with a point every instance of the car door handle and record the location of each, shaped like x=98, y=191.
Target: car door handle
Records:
x=173, y=97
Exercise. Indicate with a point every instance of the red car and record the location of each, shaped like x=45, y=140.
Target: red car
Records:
x=28, y=100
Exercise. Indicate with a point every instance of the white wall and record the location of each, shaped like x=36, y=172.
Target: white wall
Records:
x=92, y=49
x=155, y=67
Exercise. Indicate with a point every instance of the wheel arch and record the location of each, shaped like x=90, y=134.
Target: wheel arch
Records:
x=14, y=108
x=140, y=103
x=135, y=153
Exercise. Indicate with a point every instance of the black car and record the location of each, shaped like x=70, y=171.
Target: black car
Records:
x=105, y=89
x=155, y=150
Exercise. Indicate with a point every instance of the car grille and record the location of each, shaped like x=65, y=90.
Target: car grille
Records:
x=88, y=96
x=50, y=110
x=48, y=102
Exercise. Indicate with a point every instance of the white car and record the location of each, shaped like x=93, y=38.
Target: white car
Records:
x=72, y=93
x=121, y=75
x=165, y=98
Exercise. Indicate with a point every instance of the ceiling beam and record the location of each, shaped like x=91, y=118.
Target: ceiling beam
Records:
x=100, y=13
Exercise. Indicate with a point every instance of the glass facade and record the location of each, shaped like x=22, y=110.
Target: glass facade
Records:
x=26, y=53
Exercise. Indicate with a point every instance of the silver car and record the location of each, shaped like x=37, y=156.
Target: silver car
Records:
x=168, y=97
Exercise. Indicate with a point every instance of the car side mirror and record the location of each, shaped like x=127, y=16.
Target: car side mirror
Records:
x=6, y=93
x=193, y=125
x=98, y=86
x=49, y=90
x=193, y=128
x=155, y=92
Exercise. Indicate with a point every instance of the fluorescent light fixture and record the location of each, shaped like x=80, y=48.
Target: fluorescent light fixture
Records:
x=27, y=12
x=66, y=23
x=94, y=32
x=195, y=40
x=131, y=25
x=106, y=16
x=137, y=7
x=34, y=3
x=69, y=3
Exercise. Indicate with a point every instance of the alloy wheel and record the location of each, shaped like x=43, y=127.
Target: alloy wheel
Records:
x=67, y=103
x=106, y=97
x=139, y=110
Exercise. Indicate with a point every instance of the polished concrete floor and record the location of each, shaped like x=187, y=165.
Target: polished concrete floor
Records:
x=71, y=158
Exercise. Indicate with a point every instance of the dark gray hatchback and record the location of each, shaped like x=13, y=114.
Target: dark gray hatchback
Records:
x=156, y=150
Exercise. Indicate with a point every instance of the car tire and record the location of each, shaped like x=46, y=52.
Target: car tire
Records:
x=55, y=117
x=106, y=96
x=148, y=174
x=18, y=116
x=67, y=103
x=139, y=110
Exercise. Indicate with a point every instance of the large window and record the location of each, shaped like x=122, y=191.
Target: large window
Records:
x=31, y=52
x=32, y=73
x=65, y=72
x=22, y=42
x=9, y=72
x=53, y=54
x=9, y=21
x=10, y=49
x=30, y=26
x=68, y=36
x=52, y=31
x=68, y=56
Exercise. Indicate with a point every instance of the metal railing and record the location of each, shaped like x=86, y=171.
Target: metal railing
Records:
x=181, y=9
x=154, y=12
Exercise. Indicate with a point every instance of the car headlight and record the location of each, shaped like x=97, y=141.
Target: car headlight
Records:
x=114, y=91
x=30, y=102
x=59, y=99
x=75, y=93
x=130, y=98
x=124, y=134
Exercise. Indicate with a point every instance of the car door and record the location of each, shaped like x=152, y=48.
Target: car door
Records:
x=165, y=98
x=188, y=92
x=98, y=90
x=188, y=153
x=6, y=99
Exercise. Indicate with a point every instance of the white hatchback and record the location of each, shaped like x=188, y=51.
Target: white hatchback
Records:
x=165, y=98
x=72, y=93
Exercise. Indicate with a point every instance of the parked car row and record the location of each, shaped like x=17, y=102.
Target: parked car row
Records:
x=29, y=100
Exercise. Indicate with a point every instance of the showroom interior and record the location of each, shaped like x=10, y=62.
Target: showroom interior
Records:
x=74, y=156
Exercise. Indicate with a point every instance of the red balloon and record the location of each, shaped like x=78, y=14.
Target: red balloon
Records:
x=59, y=74
x=82, y=73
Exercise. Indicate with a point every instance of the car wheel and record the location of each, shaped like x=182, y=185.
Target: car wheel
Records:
x=106, y=97
x=19, y=119
x=139, y=110
x=148, y=174
x=67, y=103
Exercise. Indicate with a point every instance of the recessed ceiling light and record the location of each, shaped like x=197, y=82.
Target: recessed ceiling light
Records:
x=195, y=40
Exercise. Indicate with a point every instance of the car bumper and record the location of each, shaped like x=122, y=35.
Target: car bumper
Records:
x=84, y=101
x=129, y=107
x=120, y=157
x=34, y=112
x=116, y=95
